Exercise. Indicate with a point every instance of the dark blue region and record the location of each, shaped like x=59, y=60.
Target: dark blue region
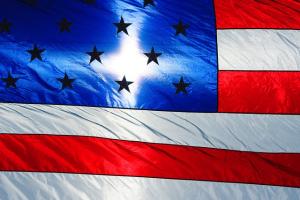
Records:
x=192, y=57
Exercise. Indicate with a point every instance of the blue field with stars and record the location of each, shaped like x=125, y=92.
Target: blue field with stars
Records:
x=154, y=55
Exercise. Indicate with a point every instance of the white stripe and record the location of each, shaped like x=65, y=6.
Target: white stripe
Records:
x=39, y=186
x=264, y=133
x=259, y=49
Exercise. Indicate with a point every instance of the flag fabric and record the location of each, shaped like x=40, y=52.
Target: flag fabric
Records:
x=149, y=99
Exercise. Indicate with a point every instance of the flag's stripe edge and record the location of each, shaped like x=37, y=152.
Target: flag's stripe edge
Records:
x=259, y=92
x=271, y=133
x=162, y=110
x=259, y=50
x=256, y=14
x=217, y=53
x=89, y=155
x=72, y=186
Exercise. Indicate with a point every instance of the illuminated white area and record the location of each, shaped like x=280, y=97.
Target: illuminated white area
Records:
x=130, y=62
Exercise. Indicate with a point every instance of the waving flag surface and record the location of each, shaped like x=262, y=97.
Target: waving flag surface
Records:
x=149, y=99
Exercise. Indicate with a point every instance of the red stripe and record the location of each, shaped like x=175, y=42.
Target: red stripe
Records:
x=259, y=92
x=90, y=155
x=277, y=14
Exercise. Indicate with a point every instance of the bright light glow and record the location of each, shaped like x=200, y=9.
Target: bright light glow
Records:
x=130, y=62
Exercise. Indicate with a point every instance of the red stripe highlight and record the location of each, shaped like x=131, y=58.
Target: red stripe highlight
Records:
x=259, y=92
x=277, y=14
x=90, y=155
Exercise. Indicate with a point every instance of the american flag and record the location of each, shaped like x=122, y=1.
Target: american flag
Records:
x=149, y=99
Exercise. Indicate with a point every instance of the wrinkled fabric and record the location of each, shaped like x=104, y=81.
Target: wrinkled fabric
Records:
x=192, y=57
x=259, y=49
x=43, y=186
x=260, y=133
x=258, y=14
x=30, y=131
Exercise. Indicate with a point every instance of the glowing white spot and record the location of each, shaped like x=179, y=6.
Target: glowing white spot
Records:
x=128, y=61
